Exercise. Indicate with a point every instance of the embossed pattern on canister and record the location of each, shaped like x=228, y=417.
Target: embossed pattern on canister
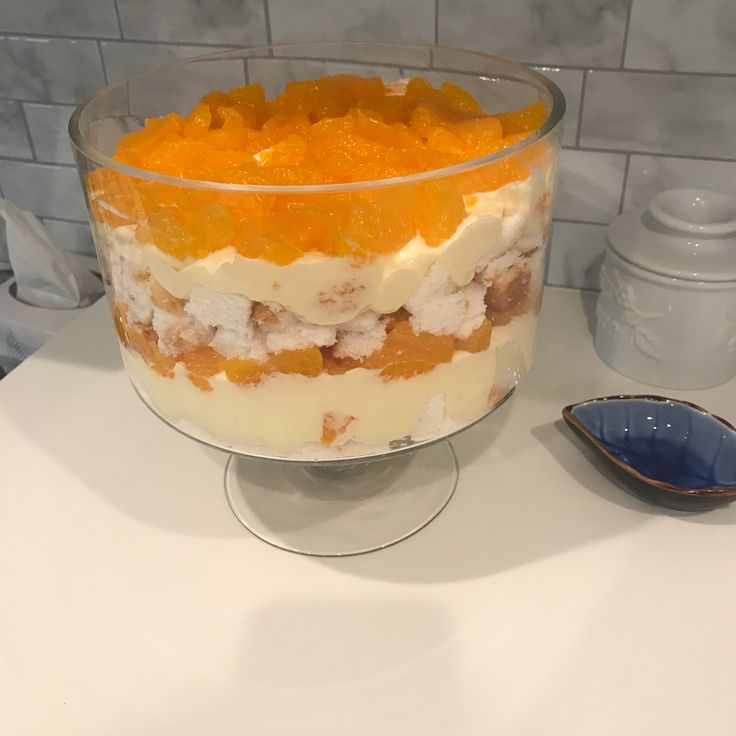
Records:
x=666, y=314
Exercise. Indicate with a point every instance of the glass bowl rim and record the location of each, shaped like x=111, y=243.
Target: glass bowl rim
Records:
x=86, y=149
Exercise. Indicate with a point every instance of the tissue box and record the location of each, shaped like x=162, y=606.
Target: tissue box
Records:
x=24, y=328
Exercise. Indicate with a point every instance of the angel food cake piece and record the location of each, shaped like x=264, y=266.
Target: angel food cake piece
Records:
x=276, y=315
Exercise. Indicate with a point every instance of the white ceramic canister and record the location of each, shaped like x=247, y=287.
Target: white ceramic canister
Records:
x=666, y=314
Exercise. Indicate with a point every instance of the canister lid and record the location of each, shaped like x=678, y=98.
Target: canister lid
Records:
x=684, y=233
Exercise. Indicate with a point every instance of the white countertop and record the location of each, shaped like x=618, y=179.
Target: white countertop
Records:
x=543, y=600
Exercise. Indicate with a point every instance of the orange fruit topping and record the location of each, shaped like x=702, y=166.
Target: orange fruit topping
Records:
x=201, y=383
x=243, y=371
x=142, y=340
x=307, y=361
x=333, y=425
x=525, y=120
x=406, y=353
x=478, y=340
x=332, y=130
x=203, y=361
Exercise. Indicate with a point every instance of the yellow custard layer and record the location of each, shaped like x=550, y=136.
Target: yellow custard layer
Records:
x=286, y=412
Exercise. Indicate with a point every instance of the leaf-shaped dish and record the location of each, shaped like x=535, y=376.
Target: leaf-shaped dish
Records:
x=671, y=453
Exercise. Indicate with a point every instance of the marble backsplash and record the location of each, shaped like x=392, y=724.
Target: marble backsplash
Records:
x=650, y=86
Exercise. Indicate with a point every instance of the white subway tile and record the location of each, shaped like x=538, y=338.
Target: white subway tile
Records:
x=683, y=36
x=589, y=186
x=172, y=90
x=568, y=32
x=13, y=136
x=45, y=190
x=49, y=125
x=74, y=236
x=691, y=115
x=94, y=18
x=649, y=175
x=576, y=253
x=408, y=21
x=240, y=22
x=49, y=69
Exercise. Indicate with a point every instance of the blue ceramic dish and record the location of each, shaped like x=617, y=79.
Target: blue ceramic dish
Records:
x=670, y=452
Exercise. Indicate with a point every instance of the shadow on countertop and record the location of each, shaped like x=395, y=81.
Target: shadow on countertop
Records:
x=486, y=531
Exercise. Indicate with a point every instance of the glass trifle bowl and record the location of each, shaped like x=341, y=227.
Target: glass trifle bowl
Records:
x=325, y=259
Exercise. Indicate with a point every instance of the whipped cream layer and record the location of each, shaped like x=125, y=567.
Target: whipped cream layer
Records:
x=325, y=290
x=282, y=416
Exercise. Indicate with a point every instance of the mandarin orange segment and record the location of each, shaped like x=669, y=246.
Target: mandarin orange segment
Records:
x=142, y=340
x=333, y=130
x=372, y=128
x=493, y=176
x=113, y=198
x=333, y=425
x=425, y=119
x=141, y=143
x=524, y=120
x=198, y=122
x=406, y=369
x=289, y=151
x=120, y=320
x=170, y=234
x=217, y=101
x=212, y=228
x=252, y=98
x=164, y=299
x=380, y=227
x=281, y=237
x=204, y=361
x=410, y=352
x=338, y=366
x=201, y=383
x=478, y=340
x=145, y=343
x=460, y=98
x=244, y=371
x=480, y=136
x=281, y=253
x=439, y=209
x=444, y=140
x=307, y=362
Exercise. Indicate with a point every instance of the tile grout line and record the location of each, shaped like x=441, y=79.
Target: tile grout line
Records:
x=436, y=23
x=536, y=64
x=587, y=289
x=627, y=25
x=34, y=161
x=117, y=15
x=571, y=221
x=115, y=39
x=267, y=18
x=624, y=183
x=65, y=220
x=102, y=62
x=656, y=154
x=577, y=147
x=56, y=36
x=45, y=103
x=630, y=70
x=31, y=101
x=24, y=118
x=3, y=236
x=580, y=110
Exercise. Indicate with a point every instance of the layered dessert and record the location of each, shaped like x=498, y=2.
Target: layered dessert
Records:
x=339, y=271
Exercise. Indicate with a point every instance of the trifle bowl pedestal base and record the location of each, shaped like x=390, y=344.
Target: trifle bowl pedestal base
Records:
x=341, y=509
